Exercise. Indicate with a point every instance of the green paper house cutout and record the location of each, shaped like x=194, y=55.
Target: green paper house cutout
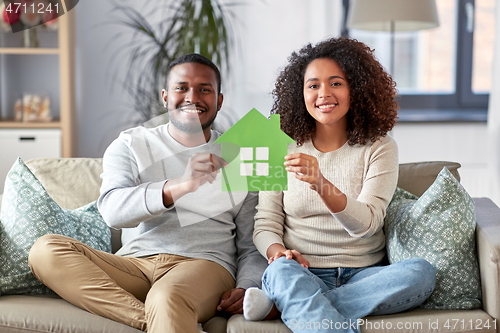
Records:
x=255, y=148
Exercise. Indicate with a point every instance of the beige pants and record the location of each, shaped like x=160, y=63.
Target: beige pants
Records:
x=161, y=293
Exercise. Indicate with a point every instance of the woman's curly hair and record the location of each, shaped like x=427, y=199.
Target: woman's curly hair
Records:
x=373, y=108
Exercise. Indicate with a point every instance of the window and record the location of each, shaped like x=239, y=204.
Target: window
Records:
x=442, y=73
x=260, y=164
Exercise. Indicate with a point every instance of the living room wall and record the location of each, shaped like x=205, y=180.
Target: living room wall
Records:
x=457, y=142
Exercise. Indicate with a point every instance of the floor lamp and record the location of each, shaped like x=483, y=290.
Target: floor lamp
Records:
x=392, y=16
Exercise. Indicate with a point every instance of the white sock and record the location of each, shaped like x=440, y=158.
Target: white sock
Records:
x=256, y=304
x=201, y=328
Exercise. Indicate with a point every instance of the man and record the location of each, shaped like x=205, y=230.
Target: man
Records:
x=183, y=239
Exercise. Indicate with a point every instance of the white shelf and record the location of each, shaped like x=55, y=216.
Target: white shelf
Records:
x=25, y=50
x=27, y=144
x=38, y=63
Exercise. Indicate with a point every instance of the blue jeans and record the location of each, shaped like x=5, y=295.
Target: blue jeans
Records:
x=332, y=299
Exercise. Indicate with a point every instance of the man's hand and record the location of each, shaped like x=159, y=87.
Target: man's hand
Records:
x=201, y=168
x=232, y=301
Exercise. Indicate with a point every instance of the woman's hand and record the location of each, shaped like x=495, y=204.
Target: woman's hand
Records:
x=290, y=254
x=306, y=168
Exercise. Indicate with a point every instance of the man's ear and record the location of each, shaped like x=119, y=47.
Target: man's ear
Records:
x=164, y=97
x=219, y=101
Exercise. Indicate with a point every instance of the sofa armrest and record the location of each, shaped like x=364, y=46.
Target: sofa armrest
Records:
x=488, y=250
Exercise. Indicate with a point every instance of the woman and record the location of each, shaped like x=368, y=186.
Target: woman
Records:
x=323, y=237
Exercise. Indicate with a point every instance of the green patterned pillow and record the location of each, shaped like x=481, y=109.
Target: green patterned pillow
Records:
x=439, y=227
x=29, y=213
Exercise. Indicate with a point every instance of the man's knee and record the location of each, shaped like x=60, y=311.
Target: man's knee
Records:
x=172, y=298
x=40, y=249
x=43, y=252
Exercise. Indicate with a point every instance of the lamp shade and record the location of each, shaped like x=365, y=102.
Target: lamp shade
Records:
x=406, y=15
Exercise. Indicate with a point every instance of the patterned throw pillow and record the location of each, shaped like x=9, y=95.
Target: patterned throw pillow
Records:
x=29, y=213
x=439, y=227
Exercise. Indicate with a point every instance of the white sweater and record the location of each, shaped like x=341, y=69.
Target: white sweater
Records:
x=298, y=219
x=204, y=224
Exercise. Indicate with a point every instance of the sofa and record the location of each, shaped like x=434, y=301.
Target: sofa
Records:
x=74, y=182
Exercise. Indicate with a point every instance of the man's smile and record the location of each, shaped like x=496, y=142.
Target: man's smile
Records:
x=191, y=109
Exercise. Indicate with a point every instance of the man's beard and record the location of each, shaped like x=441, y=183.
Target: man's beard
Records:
x=191, y=126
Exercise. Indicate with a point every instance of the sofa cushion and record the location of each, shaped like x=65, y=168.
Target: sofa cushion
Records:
x=50, y=313
x=71, y=182
x=28, y=213
x=439, y=227
x=417, y=177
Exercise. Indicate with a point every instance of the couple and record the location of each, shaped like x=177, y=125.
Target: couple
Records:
x=188, y=251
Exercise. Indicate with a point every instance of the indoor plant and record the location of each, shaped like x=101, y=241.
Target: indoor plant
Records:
x=189, y=26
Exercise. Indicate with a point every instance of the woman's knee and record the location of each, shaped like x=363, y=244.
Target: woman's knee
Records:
x=282, y=273
x=281, y=267
x=423, y=271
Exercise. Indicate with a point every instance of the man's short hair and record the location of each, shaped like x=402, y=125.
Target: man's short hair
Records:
x=196, y=58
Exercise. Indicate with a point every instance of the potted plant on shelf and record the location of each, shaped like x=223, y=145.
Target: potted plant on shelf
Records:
x=189, y=26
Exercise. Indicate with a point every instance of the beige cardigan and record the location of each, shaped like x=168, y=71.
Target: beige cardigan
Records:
x=298, y=219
